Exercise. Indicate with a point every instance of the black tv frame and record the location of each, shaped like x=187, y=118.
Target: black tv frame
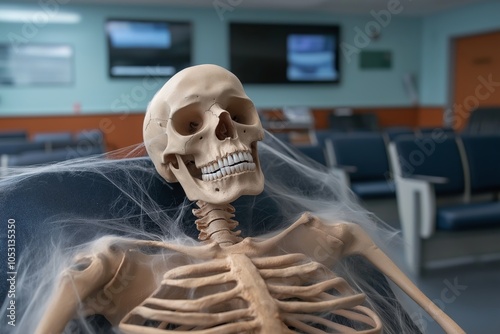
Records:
x=137, y=50
x=255, y=69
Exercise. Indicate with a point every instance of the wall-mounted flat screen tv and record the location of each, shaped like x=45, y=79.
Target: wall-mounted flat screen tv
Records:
x=147, y=48
x=284, y=53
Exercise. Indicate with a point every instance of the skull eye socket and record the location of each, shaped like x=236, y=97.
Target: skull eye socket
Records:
x=187, y=121
x=242, y=111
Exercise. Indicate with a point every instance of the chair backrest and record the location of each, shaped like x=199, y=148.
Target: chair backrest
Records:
x=321, y=136
x=52, y=137
x=365, y=151
x=355, y=122
x=484, y=121
x=13, y=135
x=430, y=156
x=483, y=158
x=394, y=132
x=315, y=152
x=20, y=146
x=93, y=137
x=426, y=131
x=56, y=155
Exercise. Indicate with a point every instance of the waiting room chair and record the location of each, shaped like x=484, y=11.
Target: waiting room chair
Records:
x=442, y=219
x=484, y=120
x=45, y=137
x=13, y=135
x=16, y=147
x=40, y=157
x=99, y=197
x=392, y=133
x=353, y=123
x=361, y=160
x=314, y=152
x=427, y=131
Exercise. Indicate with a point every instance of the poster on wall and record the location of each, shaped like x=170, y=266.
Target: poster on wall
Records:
x=36, y=64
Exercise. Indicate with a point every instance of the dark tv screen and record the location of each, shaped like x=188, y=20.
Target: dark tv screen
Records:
x=147, y=48
x=278, y=53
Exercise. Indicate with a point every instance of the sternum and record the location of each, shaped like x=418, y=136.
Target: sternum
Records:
x=255, y=292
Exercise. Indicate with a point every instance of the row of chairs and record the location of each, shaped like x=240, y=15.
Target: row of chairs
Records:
x=375, y=165
x=13, y=135
x=16, y=149
x=361, y=158
x=448, y=191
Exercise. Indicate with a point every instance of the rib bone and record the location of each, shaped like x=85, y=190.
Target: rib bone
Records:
x=258, y=301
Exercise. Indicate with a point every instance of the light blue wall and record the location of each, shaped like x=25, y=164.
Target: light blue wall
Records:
x=437, y=34
x=99, y=94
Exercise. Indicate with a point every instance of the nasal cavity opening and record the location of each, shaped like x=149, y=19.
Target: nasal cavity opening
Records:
x=225, y=127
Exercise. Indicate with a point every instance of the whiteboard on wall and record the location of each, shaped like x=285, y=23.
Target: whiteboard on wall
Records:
x=36, y=64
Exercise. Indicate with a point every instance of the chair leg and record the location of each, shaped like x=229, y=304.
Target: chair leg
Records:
x=415, y=247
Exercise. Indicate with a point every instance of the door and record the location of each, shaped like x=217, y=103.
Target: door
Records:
x=476, y=75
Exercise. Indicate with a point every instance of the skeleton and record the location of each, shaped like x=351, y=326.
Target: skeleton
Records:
x=202, y=131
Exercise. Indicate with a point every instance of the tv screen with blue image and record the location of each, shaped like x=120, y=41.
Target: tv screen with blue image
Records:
x=151, y=35
x=147, y=48
x=311, y=58
x=284, y=53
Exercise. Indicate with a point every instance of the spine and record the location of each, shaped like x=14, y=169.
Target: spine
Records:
x=214, y=223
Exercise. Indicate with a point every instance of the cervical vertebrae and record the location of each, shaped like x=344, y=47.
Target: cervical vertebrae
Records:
x=215, y=223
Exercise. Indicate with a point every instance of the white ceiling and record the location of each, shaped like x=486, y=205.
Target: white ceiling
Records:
x=415, y=7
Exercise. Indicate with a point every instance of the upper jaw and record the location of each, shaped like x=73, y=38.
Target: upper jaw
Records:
x=232, y=163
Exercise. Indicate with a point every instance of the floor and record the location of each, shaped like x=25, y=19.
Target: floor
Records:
x=468, y=294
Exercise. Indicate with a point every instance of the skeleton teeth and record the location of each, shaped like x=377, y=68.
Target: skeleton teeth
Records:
x=236, y=158
x=233, y=163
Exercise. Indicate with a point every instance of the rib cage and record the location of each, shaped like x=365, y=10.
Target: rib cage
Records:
x=237, y=294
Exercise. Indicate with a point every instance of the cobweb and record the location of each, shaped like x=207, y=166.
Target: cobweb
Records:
x=138, y=204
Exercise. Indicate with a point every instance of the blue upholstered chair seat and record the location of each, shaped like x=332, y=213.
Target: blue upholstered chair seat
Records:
x=466, y=217
x=374, y=189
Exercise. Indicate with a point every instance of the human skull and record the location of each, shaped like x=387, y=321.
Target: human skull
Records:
x=201, y=130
